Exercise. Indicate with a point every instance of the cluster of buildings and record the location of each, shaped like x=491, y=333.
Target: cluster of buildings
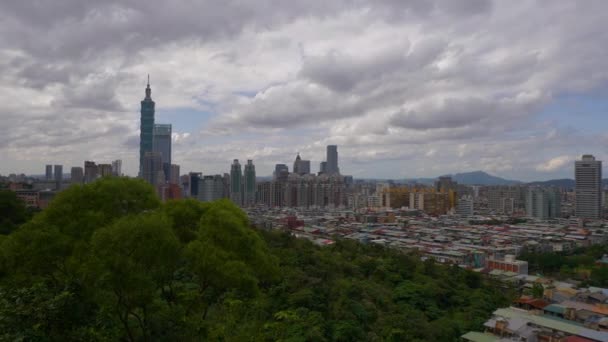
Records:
x=562, y=312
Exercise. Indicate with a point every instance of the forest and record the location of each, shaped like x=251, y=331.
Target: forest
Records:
x=108, y=261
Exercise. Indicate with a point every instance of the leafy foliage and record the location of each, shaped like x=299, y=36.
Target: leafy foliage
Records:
x=12, y=211
x=108, y=261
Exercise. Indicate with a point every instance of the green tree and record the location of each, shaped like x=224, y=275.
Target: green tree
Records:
x=13, y=212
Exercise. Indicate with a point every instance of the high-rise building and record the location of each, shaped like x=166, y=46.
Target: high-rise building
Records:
x=322, y=168
x=117, y=168
x=146, y=128
x=174, y=174
x=281, y=171
x=236, y=183
x=300, y=166
x=195, y=179
x=249, y=184
x=58, y=176
x=445, y=183
x=76, y=175
x=162, y=145
x=153, y=168
x=90, y=171
x=543, y=203
x=49, y=172
x=465, y=206
x=212, y=188
x=104, y=170
x=588, y=176
x=332, y=160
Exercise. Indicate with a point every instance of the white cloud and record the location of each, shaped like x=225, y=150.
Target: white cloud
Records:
x=555, y=164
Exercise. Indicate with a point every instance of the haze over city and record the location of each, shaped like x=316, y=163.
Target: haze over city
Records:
x=405, y=88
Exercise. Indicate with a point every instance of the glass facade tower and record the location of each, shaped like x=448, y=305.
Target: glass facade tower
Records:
x=146, y=135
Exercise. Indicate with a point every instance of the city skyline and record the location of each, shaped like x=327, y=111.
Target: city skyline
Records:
x=438, y=93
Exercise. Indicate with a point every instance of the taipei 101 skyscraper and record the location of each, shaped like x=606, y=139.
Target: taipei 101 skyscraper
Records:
x=146, y=127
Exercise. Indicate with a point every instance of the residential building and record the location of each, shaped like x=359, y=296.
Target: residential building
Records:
x=543, y=203
x=322, y=168
x=249, y=184
x=236, y=183
x=90, y=171
x=146, y=135
x=117, y=168
x=509, y=264
x=49, y=172
x=506, y=199
x=465, y=206
x=211, y=188
x=105, y=170
x=76, y=175
x=588, y=177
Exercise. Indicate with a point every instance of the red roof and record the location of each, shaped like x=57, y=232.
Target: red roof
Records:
x=537, y=303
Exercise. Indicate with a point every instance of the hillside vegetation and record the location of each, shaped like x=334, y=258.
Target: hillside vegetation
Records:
x=108, y=262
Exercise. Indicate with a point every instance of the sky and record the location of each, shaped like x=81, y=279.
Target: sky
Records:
x=405, y=88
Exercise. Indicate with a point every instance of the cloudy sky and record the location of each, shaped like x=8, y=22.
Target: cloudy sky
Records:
x=406, y=88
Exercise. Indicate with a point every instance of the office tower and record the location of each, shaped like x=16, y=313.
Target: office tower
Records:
x=117, y=168
x=588, y=174
x=146, y=128
x=332, y=160
x=195, y=179
x=49, y=172
x=300, y=166
x=174, y=174
x=162, y=145
x=90, y=171
x=104, y=170
x=543, y=203
x=153, y=167
x=236, y=183
x=249, y=184
x=281, y=172
x=323, y=168
x=76, y=175
x=58, y=176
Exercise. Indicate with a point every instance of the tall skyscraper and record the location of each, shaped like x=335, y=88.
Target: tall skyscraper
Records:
x=58, y=176
x=162, y=145
x=146, y=127
x=153, y=168
x=332, y=160
x=250, y=184
x=49, y=172
x=588, y=176
x=212, y=188
x=90, y=171
x=323, y=167
x=76, y=175
x=117, y=168
x=236, y=183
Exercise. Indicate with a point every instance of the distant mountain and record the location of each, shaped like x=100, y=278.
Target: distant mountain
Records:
x=469, y=178
x=481, y=178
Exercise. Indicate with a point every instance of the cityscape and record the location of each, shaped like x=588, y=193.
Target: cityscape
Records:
x=331, y=248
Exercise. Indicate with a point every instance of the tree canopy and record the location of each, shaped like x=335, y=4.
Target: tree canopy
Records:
x=108, y=261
